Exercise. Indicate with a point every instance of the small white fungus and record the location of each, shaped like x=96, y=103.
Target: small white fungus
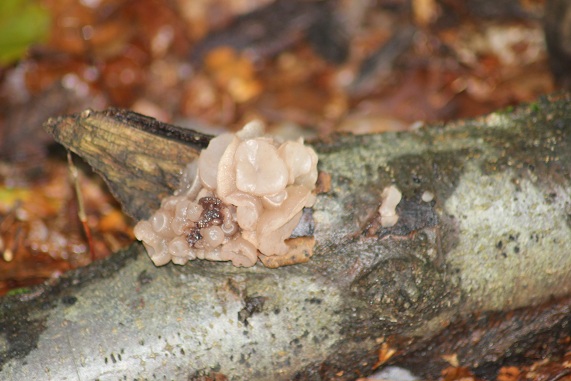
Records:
x=390, y=198
x=240, y=200
x=427, y=196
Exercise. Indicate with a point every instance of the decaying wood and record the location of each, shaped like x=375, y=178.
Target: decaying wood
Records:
x=496, y=237
x=270, y=29
x=557, y=26
x=123, y=147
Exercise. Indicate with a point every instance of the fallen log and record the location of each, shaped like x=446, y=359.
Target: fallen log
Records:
x=484, y=227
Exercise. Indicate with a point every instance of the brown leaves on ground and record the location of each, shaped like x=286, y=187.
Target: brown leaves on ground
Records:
x=137, y=55
x=549, y=369
x=40, y=233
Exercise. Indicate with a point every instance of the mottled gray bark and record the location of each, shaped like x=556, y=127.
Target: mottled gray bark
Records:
x=496, y=237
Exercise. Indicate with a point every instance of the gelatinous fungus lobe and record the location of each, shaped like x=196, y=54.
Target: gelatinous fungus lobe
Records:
x=240, y=201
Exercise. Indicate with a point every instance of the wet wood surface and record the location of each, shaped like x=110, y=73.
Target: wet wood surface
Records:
x=494, y=239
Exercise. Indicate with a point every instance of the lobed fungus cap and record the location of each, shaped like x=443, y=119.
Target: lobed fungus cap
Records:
x=241, y=200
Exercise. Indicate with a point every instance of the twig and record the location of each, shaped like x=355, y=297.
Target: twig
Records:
x=81, y=213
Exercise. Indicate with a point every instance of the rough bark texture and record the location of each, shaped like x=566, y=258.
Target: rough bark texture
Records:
x=139, y=157
x=495, y=238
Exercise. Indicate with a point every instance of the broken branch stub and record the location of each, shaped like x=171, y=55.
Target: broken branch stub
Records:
x=140, y=158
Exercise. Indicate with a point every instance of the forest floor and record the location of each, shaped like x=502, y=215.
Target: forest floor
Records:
x=304, y=68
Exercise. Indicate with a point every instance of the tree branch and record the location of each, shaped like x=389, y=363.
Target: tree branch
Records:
x=496, y=237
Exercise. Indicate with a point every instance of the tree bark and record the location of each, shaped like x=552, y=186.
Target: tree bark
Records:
x=496, y=237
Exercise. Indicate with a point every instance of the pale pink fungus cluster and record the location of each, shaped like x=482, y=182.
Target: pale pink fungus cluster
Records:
x=241, y=199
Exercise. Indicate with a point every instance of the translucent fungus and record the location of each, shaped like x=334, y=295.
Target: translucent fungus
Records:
x=241, y=200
